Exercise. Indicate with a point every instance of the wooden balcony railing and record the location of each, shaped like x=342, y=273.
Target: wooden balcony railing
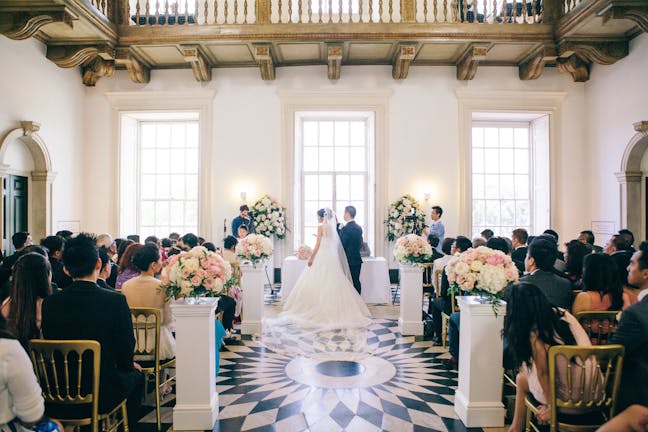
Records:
x=569, y=5
x=222, y=12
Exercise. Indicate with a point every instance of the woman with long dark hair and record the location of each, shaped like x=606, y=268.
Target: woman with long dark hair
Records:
x=531, y=327
x=31, y=283
x=574, y=255
x=601, y=288
x=127, y=269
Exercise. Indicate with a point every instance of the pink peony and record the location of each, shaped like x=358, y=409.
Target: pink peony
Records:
x=196, y=281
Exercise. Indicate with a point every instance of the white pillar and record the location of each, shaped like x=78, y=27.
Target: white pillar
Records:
x=478, y=400
x=196, y=405
x=411, y=298
x=252, y=282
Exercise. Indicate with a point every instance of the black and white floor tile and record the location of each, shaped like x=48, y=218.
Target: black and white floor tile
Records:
x=402, y=387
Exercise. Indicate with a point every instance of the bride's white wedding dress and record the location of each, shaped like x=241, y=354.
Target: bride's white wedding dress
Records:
x=323, y=313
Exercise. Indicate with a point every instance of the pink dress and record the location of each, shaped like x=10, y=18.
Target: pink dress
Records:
x=562, y=391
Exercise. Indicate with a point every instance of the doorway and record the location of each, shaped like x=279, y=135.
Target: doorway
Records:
x=15, y=201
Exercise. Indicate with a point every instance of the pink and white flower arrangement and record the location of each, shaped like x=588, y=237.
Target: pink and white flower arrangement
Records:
x=254, y=248
x=482, y=271
x=195, y=273
x=304, y=252
x=412, y=249
x=405, y=216
x=269, y=217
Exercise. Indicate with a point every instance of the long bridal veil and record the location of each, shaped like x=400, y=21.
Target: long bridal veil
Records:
x=323, y=316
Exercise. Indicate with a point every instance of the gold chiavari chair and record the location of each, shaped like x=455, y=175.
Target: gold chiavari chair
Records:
x=428, y=286
x=599, y=325
x=146, y=327
x=62, y=368
x=590, y=401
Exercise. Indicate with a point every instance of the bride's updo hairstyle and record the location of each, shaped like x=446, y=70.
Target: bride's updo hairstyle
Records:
x=321, y=213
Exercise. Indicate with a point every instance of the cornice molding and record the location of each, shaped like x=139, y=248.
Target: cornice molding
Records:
x=604, y=53
x=20, y=25
x=69, y=56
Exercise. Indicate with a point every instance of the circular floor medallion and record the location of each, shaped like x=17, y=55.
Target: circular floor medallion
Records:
x=340, y=368
x=340, y=374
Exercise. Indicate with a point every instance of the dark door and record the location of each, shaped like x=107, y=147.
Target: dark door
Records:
x=14, y=209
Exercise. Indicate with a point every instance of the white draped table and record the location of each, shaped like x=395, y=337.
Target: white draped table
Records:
x=374, y=278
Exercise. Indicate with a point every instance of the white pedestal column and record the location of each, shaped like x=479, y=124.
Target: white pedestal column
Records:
x=478, y=400
x=411, y=297
x=196, y=405
x=252, y=283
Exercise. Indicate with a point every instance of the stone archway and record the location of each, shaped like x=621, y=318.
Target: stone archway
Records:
x=42, y=176
x=629, y=178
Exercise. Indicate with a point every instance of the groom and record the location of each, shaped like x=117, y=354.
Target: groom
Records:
x=351, y=238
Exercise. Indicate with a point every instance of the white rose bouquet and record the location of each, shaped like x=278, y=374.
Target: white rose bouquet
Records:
x=269, y=217
x=254, y=248
x=195, y=273
x=405, y=216
x=412, y=249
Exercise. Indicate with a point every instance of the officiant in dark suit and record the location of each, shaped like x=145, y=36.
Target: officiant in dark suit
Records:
x=351, y=238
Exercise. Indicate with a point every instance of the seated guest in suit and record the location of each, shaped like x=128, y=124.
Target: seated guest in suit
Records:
x=587, y=237
x=21, y=400
x=440, y=263
x=106, y=267
x=134, y=237
x=30, y=286
x=487, y=234
x=442, y=303
x=188, y=242
x=618, y=244
x=601, y=288
x=106, y=241
x=575, y=253
x=85, y=311
x=519, y=238
x=127, y=270
x=531, y=327
x=631, y=293
x=632, y=333
x=478, y=241
x=20, y=241
x=433, y=240
x=628, y=236
x=242, y=219
x=541, y=256
x=146, y=291
x=66, y=234
x=54, y=246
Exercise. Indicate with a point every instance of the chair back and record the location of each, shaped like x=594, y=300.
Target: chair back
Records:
x=68, y=371
x=427, y=277
x=584, y=379
x=599, y=325
x=146, y=328
x=438, y=278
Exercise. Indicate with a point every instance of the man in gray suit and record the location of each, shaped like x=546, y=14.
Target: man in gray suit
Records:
x=633, y=334
x=538, y=264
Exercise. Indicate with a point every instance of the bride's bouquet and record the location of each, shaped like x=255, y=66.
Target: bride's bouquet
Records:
x=196, y=273
x=412, y=249
x=269, y=217
x=254, y=248
x=482, y=271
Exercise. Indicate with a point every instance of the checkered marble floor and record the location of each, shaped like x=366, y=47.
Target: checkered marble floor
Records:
x=403, y=386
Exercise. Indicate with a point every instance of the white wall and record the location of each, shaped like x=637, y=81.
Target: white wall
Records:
x=616, y=97
x=33, y=88
x=422, y=133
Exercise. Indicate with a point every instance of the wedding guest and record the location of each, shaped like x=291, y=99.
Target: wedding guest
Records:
x=188, y=242
x=122, y=248
x=211, y=247
x=554, y=234
x=127, y=269
x=235, y=293
x=443, y=302
x=201, y=241
x=587, y=237
x=146, y=291
x=174, y=236
x=631, y=293
x=498, y=243
x=20, y=241
x=242, y=232
x=242, y=219
x=574, y=255
x=106, y=241
x=539, y=262
x=134, y=237
x=229, y=248
x=601, y=288
x=487, y=234
x=30, y=286
x=66, y=234
x=478, y=241
x=433, y=241
x=436, y=227
x=440, y=263
x=632, y=419
x=618, y=244
x=85, y=311
x=519, y=238
x=632, y=333
x=21, y=400
x=54, y=246
x=106, y=267
x=629, y=237
x=532, y=325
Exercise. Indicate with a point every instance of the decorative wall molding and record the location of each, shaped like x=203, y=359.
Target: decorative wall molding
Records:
x=604, y=53
x=467, y=66
x=334, y=60
x=199, y=64
x=575, y=66
x=68, y=56
x=96, y=69
x=24, y=24
x=263, y=56
x=638, y=13
x=533, y=67
x=137, y=70
x=405, y=53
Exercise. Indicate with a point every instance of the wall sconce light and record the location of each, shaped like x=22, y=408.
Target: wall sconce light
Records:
x=427, y=196
x=243, y=196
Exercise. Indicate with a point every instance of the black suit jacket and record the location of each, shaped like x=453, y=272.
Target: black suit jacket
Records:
x=351, y=238
x=632, y=333
x=518, y=257
x=10, y=261
x=102, y=284
x=59, y=277
x=86, y=311
x=557, y=289
x=114, y=270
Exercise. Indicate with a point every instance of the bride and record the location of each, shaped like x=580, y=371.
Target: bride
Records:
x=324, y=296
